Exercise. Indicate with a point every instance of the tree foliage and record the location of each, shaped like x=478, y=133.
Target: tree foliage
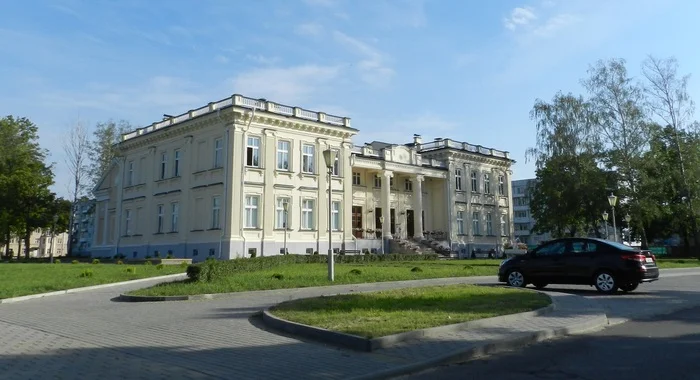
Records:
x=103, y=149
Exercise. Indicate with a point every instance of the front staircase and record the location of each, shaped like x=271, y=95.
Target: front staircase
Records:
x=417, y=247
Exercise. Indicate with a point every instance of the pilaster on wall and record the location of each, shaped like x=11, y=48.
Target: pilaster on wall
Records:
x=449, y=197
x=185, y=202
x=346, y=172
x=418, y=206
x=268, y=204
x=386, y=205
x=322, y=222
x=236, y=205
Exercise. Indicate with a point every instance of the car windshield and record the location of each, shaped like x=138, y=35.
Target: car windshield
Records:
x=619, y=245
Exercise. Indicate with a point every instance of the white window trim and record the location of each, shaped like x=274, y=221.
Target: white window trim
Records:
x=176, y=162
x=255, y=152
x=312, y=161
x=408, y=185
x=160, y=221
x=336, y=216
x=216, y=212
x=127, y=222
x=308, y=211
x=458, y=179
x=501, y=185
x=489, y=224
x=282, y=153
x=252, y=211
x=358, y=176
x=218, y=152
x=336, y=163
x=280, y=217
x=174, y=216
x=476, y=227
x=474, y=181
x=487, y=183
x=130, y=174
x=163, y=167
x=460, y=222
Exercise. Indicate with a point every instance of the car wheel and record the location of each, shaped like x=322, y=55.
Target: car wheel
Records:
x=516, y=279
x=605, y=282
x=540, y=285
x=629, y=287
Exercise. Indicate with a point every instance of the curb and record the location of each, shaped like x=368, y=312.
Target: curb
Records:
x=371, y=344
x=93, y=287
x=595, y=323
x=129, y=298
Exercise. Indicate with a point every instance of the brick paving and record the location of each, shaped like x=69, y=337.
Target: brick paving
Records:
x=89, y=335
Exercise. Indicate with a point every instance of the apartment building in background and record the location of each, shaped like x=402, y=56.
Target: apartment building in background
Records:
x=522, y=217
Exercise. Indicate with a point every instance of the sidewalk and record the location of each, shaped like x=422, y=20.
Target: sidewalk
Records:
x=88, y=335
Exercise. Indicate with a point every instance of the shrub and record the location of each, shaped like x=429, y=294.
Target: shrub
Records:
x=356, y=271
x=95, y=261
x=148, y=262
x=75, y=262
x=130, y=270
x=57, y=261
x=214, y=269
x=184, y=264
x=169, y=256
x=86, y=273
x=253, y=254
x=278, y=276
x=119, y=262
x=468, y=267
x=416, y=269
x=160, y=266
x=147, y=257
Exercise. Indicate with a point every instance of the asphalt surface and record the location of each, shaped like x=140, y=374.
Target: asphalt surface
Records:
x=663, y=347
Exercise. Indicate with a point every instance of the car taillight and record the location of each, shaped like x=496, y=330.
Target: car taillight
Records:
x=636, y=257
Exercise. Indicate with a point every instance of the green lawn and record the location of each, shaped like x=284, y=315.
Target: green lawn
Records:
x=389, y=312
x=677, y=263
x=19, y=279
x=305, y=275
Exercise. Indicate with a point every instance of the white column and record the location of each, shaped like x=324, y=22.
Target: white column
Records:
x=346, y=209
x=418, y=206
x=105, y=222
x=449, y=201
x=386, y=205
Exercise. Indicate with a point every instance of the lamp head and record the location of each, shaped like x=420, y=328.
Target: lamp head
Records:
x=605, y=216
x=329, y=157
x=285, y=206
x=381, y=219
x=612, y=199
x=628, y=218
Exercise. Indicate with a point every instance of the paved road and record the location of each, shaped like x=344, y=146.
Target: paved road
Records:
x=88, y=335
x=663, y=347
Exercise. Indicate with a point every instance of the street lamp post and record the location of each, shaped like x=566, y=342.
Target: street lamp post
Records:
x=53, y=228
x=285, y=206
x=605, y=218
x=329, y=156
x=381, y=234
x=628, y=218
x=612, y=199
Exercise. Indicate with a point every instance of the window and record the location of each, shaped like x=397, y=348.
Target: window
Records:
x=307, y=159
x=163, y=165
x=252, y=152
x=218, y=152
x=489, y=224
x=501, y=185
x=458, y=179
x=127, y=224
x=504, y=230
x=356, y=179
x=521, y=214
x=460, y=222
x=377, y=181
x=391, y=182
x=130, y=174
x=335, y=216
x=475, y=182
x=176, y=164
x=283, y=155
x=583, y=247
x=251, y=211
x=336, y=163
x=174, y=215
x=487, y=184
x=307, y=214
x=408, y=185
x=160, y=219
x=551, y=249
x=475, y=223
x=282, y=217
x=216, y=212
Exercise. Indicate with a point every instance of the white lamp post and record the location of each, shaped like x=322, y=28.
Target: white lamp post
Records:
x=285, y=206
x=612, y=199
x=628, y=218
x=605, y=218
x=329, y=156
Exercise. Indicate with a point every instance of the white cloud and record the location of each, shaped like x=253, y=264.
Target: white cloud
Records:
x=372, y=66
x=519, y=17
x=427, y=124
x=554, y=24
x=292, y=85
x=261, y=59
x=309, y=29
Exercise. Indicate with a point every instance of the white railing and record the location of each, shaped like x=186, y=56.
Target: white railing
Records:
x=447, y=143
x=241, y=101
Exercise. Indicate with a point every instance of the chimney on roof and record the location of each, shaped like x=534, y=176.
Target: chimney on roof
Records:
x=417, y=140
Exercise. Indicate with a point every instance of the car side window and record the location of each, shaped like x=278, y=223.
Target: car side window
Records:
x=583, y=247
x=553, y=249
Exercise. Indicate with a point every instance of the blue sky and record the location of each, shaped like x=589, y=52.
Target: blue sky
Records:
x=466, y=70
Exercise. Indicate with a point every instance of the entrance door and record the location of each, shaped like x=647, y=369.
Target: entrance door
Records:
x=409, y=223
x=357, y=230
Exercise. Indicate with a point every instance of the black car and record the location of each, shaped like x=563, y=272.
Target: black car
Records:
x=601, y=263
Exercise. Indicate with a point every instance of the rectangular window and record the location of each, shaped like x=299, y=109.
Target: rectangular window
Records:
x=475, y=182
x=408, y=185
x=475, y=223
x=458, y=179
x=504, y=230
x=489, y=224
x=391, y=182
x=174, y=216
x=216, y=212
x=460, y=222
x=336, y=163
x=487, y=184
x=501, y=185
x=252, y=152
x=307, y=214
x=335, y=216
x=130, y=174
x=176, y=164
x=127, y=223
x=377, y=181
x=283, y=155
x=163, y=165
x=218, y=153
x=282, y=216
x=307, y=158
x=356, y=179
x=251, y=211
x=160, y=219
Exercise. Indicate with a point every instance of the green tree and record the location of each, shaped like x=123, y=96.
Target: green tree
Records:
x=103, y=147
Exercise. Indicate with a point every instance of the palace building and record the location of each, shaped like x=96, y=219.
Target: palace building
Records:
x=246, y=177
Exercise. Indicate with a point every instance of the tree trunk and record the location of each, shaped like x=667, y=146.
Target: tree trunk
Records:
x=19, y=248
x=27, y=245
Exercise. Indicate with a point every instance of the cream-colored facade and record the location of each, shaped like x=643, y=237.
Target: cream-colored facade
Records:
x=41, y=243
x=214, y=182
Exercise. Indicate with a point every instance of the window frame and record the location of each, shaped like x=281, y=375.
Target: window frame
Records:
x=308, y=225
x=458, y=179
x=252, y=211
x=252, y=152
x=283, y=155
x=218, y=152
x=308, y=159
x=216, y=212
